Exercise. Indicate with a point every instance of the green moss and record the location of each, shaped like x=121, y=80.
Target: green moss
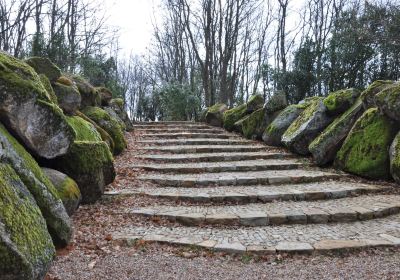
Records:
x=69, y=190
x=256, y=100
x=45, y=66
x=339, y=101
x=104, y=135
x=304, y=117
x=84, y=130
x=26, y=228
x=20, y=79
x=233, y=115
x=109, y=124
x=118, y=101
x=365, y=150
x=369, y=93
x=90, y=96
x=49, y=89
x=84, y=157
x=251, y=123
x=215, y=108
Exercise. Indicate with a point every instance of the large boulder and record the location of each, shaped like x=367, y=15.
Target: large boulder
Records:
x=365, y=150
x=340, y=101
x=68, y=96
x=67, y=189
x=45, y=194
x=44, y=66
x=117, y=105
x=84, y=130
x=89, y=94
x=231, y=116
x=328, y=143
x=388, y=101
x=115, y=116
x=214, y=114
x=272, y=135
x=27, y=110
x=104, y=135
x=277, y=102
x=91, y=166
x=105, y=95
x=26, y=248
x=311, y=122
x=368, y=95
x=254, y=125
x=109, y=124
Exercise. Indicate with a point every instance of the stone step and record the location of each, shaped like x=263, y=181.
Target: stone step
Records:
x=221, y=135
x=200, y=141
x=287, y=212
x=179, y=130
x=190, y=149
x=311, y=238
x=254, y=194
x=227, y=166
x=214, y=157
x=174, y=126
x=241, y=178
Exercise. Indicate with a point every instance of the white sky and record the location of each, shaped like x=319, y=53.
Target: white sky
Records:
x=134, y=18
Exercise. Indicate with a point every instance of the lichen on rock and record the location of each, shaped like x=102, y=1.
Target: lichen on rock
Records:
x=89, y=94
x=365, y=150
x=68, y=96
x=109, y=124
x=388, y=101
x=214, y=115
x=368, y=95
x=26, y=248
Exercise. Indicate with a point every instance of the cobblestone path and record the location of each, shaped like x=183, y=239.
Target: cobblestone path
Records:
x=237, y=195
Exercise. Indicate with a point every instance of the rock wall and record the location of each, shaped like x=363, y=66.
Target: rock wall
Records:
x=58, y=135
x=357, y=132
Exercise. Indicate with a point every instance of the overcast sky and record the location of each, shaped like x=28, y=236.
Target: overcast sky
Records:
x=134, y=18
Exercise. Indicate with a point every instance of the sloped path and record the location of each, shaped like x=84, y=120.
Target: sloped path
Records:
x=225, y=193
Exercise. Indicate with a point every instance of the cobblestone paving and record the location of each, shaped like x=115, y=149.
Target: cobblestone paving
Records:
x=242, y=196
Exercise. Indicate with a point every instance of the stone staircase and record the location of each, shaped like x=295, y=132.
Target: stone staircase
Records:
x=239, y=196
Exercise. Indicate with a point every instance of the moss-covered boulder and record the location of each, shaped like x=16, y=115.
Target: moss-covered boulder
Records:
x=311, y=122
x=44, y=66
x=28, y=112
x=115, y=116
x=272, y=135
x=91, y=165
x=103, y=134
x=84, y=130
x=325, y=147
x=340, y=101
x=26, y=248
x=68, y=96
x=214, y=114
x=67, y=189
x=105, y=95
x=254, y=125
x=231, y=116
x=388, y=101
x=49, y=89
x=109, y=124
x=277, y=102
x=254, y=103
x=368, y=95
x=45, y=194
x=89, y=94
x=365, y=150
x=118, y=106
